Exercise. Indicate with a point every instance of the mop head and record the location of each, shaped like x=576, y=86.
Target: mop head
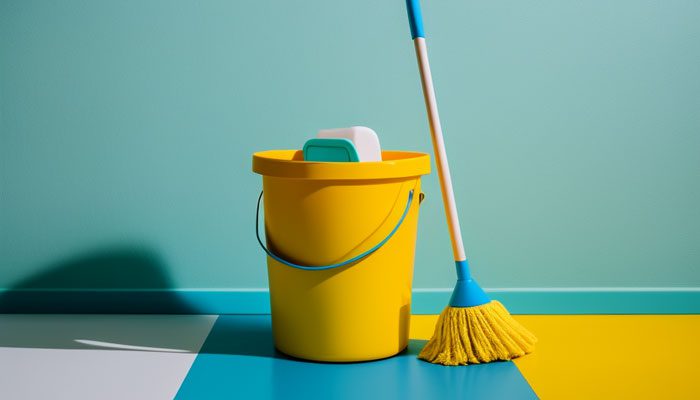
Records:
x=479, y=334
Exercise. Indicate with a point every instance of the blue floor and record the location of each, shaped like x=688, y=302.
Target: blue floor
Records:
x=238, y=360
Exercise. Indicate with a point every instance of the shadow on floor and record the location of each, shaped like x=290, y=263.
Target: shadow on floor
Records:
x=251, y=335
x=152, y=333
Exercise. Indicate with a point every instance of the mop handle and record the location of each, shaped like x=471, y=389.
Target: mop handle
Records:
x=415, y=20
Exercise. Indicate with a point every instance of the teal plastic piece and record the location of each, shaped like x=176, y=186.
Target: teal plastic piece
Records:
x=467, y=292
x=330, y=150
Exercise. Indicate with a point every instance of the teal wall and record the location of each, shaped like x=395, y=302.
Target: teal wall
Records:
x=127, y=128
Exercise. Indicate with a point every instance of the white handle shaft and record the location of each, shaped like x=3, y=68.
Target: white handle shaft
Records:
x=448, y=197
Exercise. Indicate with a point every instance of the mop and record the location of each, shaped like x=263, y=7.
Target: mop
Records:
x=473, y=328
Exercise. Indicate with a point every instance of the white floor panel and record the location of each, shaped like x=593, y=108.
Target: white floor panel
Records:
x=98, y=356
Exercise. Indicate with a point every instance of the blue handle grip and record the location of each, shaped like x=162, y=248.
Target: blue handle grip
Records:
x=415, y=18
x=331, y=266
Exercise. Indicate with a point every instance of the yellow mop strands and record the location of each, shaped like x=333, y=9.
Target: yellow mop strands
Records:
x=473, y=335
x=472, y=329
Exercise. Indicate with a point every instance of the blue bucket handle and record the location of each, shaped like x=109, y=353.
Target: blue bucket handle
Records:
x=340, y=264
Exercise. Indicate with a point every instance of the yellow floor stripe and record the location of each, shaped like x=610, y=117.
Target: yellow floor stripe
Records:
x=607, y=356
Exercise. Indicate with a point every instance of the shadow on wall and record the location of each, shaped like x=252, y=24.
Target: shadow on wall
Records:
x=113, y=280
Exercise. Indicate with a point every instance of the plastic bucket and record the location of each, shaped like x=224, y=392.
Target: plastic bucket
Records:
x=340, y=242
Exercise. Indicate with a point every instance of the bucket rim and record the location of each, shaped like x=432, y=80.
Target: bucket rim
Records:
x=290, y=164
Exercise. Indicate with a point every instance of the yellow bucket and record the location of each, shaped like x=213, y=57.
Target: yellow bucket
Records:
x=340, y=242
